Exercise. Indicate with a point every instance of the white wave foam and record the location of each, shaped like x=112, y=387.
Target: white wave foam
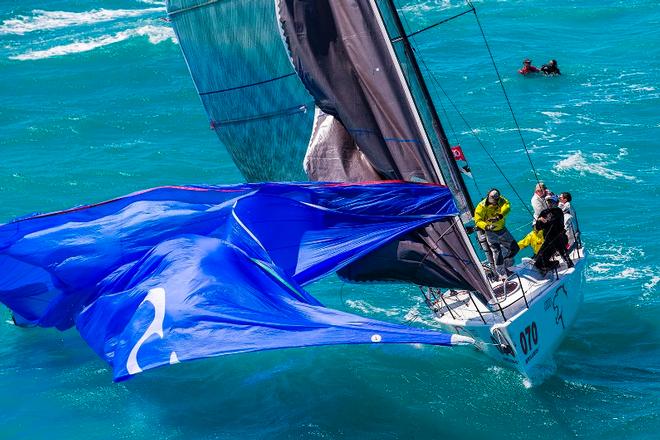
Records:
x=641, y=88
x=555, y=114
x=425, y=7
x=650, y=286
x=577, y=162
x=156, y=34
x=49, y=20
x=618, y=262
x=555, y=117
x=625, y=75
x=368, y=309
x=530, y=130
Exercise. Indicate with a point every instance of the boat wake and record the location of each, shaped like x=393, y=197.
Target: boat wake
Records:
x=540, y=373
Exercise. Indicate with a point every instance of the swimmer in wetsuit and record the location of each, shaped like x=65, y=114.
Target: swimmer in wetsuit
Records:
x=550, y=68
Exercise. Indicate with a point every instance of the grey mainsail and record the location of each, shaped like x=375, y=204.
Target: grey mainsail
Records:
x=373, y=120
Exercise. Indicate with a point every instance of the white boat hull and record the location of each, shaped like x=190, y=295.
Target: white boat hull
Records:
x=526, y=338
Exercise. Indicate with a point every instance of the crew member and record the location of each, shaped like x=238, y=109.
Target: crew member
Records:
x=533, y=239
x=551, y=221
x=538, y=199
x=489, y=217
x=570, y=219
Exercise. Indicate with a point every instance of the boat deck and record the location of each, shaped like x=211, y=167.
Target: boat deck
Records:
x=525, y=286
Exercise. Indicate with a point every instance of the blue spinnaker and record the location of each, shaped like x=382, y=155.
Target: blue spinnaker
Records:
x=178, y=273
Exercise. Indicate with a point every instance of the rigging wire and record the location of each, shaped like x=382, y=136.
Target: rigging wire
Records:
x=481, y=144
x=513, y=115
x=419, y=31
x=437, y=84
x=451, y=127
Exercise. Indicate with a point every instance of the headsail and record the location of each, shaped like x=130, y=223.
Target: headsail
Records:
x=252, y=95
x=179, y=273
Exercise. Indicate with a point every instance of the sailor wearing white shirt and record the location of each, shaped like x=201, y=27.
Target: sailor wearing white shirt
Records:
x=538, y=200
x=570, y=219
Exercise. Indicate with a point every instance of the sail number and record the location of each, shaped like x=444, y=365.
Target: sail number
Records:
x=529, y=338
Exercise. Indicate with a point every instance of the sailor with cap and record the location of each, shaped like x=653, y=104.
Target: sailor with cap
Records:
x=538, y=199
x=551, y=222
x=489, y=218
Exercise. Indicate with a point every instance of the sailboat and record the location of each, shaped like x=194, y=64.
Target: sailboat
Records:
x=352, y=66
x=327, y=91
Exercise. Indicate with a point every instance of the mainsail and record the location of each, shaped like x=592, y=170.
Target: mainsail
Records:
x=373, y=116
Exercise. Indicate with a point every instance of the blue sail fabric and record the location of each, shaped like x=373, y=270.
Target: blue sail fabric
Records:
x=178, y=273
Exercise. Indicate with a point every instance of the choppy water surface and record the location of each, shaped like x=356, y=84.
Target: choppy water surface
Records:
x=97, y=102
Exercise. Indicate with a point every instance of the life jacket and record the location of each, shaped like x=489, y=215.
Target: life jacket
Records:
x=483, y=212
x=533, y=239
x=528, y=69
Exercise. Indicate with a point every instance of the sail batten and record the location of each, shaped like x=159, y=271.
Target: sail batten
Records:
x=277, y=78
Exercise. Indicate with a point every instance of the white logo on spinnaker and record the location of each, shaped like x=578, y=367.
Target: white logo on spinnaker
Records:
x=156, y=297
x=376, y=338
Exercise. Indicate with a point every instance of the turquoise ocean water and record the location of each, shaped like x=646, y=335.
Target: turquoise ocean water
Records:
x=96, y=102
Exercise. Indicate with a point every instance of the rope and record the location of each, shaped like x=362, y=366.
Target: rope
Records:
x=437, y=84
x=513, y=115
x=397, y=39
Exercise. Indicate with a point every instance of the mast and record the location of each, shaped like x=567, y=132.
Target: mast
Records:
x=448, y=156
x=378, y=123
x=437, y=126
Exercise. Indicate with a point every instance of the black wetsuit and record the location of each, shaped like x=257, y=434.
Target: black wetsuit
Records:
x=550, y=69
x=555, y=239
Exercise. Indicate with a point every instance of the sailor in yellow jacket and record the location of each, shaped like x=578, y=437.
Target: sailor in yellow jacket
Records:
x=533, y=239
x=490, y=219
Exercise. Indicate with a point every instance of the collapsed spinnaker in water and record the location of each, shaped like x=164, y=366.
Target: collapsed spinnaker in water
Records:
x=179, y=273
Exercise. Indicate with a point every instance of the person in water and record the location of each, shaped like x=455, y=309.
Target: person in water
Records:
x=527, y=67
x=550, y=68
x=489, y=217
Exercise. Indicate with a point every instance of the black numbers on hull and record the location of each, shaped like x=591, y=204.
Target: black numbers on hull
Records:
x=529, y=338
